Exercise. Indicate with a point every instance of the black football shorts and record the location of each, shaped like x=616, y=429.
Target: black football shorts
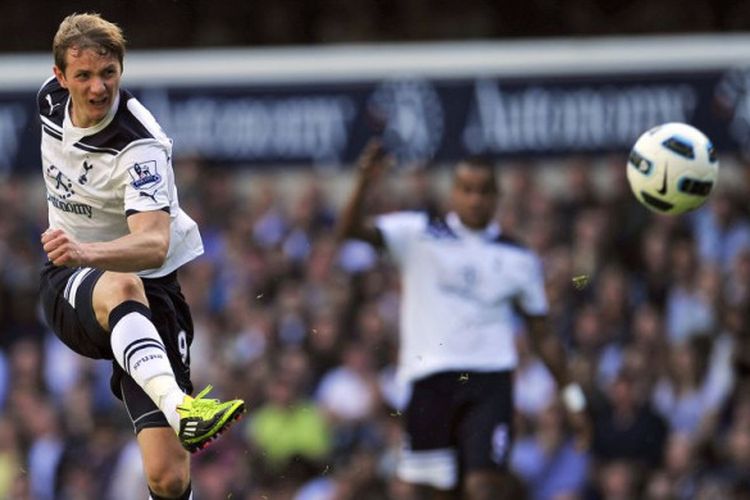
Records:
x=457, y=422
x=66, y=296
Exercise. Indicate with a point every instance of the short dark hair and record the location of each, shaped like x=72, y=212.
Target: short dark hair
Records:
x=87, y=31
x=479, y=163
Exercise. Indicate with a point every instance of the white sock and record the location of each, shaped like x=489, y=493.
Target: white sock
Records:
x=141, y=353
x=164, y=389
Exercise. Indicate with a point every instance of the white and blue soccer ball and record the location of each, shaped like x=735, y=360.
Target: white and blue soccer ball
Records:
x=672, y=168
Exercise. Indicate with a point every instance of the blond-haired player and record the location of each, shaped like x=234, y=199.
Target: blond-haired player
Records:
x=116, y=238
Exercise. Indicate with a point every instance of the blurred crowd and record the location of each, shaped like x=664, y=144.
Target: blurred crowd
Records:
x=199, y=23
x=653, y=311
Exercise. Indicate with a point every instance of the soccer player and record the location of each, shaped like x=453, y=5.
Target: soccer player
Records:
x=115, y=241
x=462, y=280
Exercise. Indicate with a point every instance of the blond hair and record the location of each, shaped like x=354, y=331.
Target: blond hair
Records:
x=87, y=31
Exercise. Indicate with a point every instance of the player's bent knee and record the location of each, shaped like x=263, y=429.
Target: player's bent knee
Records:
x=112, y=289
x=168, y=481
x=127, y=287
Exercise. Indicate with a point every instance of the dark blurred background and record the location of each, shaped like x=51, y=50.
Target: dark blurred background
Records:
x=28, y=26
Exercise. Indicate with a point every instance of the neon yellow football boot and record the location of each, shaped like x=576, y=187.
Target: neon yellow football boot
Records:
x=203, y=420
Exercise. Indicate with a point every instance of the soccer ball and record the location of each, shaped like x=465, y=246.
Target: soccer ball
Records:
x=672, y=168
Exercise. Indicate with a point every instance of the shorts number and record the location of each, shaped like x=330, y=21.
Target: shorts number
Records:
x=182, y=346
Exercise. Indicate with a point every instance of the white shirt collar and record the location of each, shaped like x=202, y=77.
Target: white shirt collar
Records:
x=490, y=232
x=72, y=133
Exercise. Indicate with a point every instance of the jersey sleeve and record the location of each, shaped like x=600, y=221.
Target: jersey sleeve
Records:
x=399, y=230
x=533, y=298
x=148, y=171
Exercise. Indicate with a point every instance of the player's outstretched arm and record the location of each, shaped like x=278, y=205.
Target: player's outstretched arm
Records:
x=550, y=349
x=145, y=247
x=352, y=222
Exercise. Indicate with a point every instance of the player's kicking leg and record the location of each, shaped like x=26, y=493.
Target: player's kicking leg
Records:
x=119, y=302
x=82, y=305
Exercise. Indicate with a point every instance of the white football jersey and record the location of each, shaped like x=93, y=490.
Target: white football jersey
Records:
x=97, y=176
x=459, y=288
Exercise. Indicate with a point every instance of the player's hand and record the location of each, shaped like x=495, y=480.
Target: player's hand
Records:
x=61, y=249
x=574, y=402
x=373, y=161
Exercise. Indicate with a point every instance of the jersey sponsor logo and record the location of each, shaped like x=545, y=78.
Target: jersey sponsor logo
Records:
x=69, y=206
x=63, y=187
x=62, y=184
x=144, y=174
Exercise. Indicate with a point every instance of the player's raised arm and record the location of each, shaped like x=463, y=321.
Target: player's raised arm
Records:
x=352, y=222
